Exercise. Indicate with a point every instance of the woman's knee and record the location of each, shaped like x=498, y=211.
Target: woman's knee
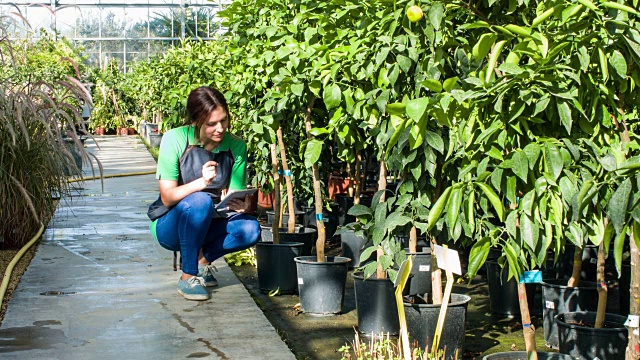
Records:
x=249, y=230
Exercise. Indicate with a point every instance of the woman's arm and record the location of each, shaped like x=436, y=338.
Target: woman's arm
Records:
x=171, y=193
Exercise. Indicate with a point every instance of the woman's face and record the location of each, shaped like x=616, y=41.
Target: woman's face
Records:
x=213, y=129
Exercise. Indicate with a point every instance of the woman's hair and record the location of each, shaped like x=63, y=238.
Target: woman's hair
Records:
x=201, y=103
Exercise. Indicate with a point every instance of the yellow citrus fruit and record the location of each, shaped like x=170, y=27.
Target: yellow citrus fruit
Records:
x=414, y=13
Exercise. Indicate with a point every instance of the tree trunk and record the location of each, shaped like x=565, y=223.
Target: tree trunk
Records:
x=276, y=196
x=602, y=289
x=382, y=185
x=633, y=350
x=529, y=332
x=317, y=191
x=574, y=281
x=287, y=176
x=358, y=181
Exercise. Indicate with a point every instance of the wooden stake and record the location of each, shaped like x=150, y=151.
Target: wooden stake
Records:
x=317, y=191
x=413, y=240
x=574, y=281
x=602, y=289
x=528, y=331
x=276, y=195
x=382, y=185
x=633, y=349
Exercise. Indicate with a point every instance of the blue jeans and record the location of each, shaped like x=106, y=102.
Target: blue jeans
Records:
x=189, y=227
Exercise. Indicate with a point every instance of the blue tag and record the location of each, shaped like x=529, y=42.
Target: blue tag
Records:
x=319, y=217
x=279, y=172
x=531, y=277
x=287, y=173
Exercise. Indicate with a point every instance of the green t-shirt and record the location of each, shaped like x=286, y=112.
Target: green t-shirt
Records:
x=174, y=143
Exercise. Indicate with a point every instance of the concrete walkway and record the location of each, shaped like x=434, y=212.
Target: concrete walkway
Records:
x=100, y=287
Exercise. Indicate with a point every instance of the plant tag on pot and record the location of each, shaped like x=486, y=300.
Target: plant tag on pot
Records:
x=550, y=305
x=531, y=277
x=448, y=259
x=424, y=268
x=633, y=321
x=300, y=282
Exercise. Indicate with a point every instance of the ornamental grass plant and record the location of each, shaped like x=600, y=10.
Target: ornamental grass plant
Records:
x=39, y=120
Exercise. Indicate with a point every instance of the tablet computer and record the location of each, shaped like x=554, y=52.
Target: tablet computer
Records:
x=234, y=194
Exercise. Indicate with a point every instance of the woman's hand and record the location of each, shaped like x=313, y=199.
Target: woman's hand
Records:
x=209, y=172
x=240, y=206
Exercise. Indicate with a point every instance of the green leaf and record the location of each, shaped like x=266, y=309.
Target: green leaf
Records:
x=478, y=255
x=432, y=84
x=565, y=114
x=404, y=63
x=332, y=96
x=554, y=160
x=450, y=83
x=297, y=89
x=512, y=69
x=359, y=210
x=636, y=233
x=618, y=246
x=394, y=220
x=438, y=208
x=533, y=152
x=619, y=64
x=483, y=46
x=436, y=15
x=455, y=202
x=434, y=140
x=395, y=109
x=529, y=231
x=312, y=152
x=315, y=87
x=512, y=224
x=366, y=253
x=520, y=165
x=417, y=107
x=617, y=206
x=493, y=198
x=541, y=104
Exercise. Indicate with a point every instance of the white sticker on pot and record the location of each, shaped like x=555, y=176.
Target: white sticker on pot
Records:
x=633, y=321
x=424, y=268
x=594, y=260
x=448, y=259
x=300, y=282
x=550, y=305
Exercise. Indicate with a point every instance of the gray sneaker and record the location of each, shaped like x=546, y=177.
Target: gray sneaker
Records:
x=206, y=273
x=193, y=288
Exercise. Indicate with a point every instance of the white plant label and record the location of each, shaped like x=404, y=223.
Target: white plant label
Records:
x=594, y=260
x=550, y=305
x=424, y=268
x=448, y=259
x=633, y=321
x=300, y=282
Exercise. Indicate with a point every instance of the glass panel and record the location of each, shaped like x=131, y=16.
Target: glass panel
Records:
x=88, y=23
x=160, y=22
x=113, y=22
x=66, y=21
x=136, y=26
x=39, y=18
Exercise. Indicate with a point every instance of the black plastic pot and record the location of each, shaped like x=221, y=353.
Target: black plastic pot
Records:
x=586, y=342
x=503, y=293
x=285, y=217
x=423, y=318
x=321, y=284
x=624, y=285
x=421, y=272
x=522, y=355
x=154, y=140
x=266, y=234
x=376, y=306
x=276, y=267
x=563, y=268
x=352, y=247
x=307, y=236
x=557, y=298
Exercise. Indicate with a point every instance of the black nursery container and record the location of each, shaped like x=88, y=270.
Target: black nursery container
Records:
x=586, y=342
x=352, y=246
x=276, y=266
x=376, y=306
x=321, y=284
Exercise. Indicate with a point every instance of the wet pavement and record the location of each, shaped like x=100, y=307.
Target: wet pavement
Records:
x=100, y=287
